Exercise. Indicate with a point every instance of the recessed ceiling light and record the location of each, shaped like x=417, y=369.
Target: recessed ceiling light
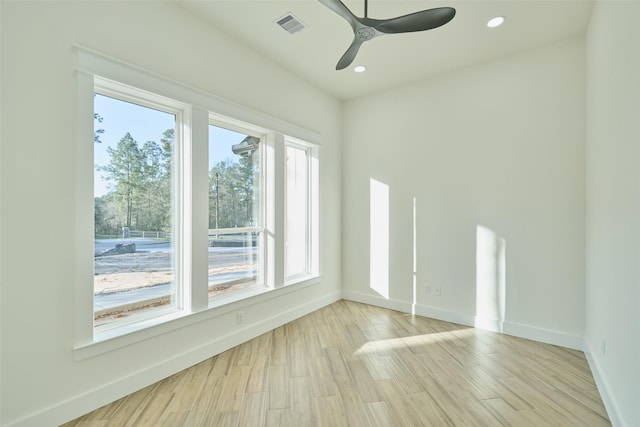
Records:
x=360, y=69
x=495, y=22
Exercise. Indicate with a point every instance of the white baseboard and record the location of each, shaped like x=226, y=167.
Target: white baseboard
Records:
x=87, y=402
x=543, y=335
x=510, y=328
x=603, y=387
x=493, y=325
x=407, y=307
x=442, y=314
x=391, y=304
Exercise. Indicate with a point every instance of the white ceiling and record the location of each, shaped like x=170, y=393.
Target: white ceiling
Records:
x=396, y=59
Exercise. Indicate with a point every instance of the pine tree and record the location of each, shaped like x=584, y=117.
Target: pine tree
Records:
x=125, y=173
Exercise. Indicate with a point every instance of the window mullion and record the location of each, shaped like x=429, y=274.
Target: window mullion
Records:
x=279, y=213
x=314, y=214
x=308, y=212
x=275, y=211
x=196, y=292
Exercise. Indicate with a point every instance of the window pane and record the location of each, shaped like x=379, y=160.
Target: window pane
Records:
x=134, y=266
x=235, y=211
x=296, y=210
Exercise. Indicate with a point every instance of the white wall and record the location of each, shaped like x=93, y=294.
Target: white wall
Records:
x=42, y=384
x=612, y=333
x=498, y=145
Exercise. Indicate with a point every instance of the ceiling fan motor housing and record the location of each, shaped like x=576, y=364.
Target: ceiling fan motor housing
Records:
x=366, y=33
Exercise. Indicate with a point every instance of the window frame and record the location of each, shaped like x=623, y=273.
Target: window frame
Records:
x=263, y=260
x=299, y=145
x=199, y=108
x=180, y=210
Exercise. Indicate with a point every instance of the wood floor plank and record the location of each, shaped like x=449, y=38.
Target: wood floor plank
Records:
x=297, y=356
x=330, y=412
x=477, y=410
x=312, y=344
x=363, y=381
x=322, y=381
x=351, y=364
x=338, y=364
x=405, y=378
x=426, y=409
x=539, y=399
x=233, y=390
x=131, y=408
x=203, y=408
x=505, y=414
x=91, y=423
x=302, y=405
x=579, y=411
x=277, y=418
x=381, y=415
x=279, y=350
x=355, y=409
x=253, y=411
x=397, y=401
x=495, y=389
x=155, y=409
x=224, y=418
x=450, y=407
x=278, y=387
x=176, y=419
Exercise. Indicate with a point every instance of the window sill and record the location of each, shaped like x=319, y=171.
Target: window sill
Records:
x=115, y=338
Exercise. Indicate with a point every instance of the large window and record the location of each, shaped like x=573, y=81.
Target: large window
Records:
x=297, y=211
x=235, y=237
x=134, y=189
x=195, y=203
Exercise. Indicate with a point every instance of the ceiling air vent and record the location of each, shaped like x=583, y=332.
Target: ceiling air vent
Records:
x=290, y=23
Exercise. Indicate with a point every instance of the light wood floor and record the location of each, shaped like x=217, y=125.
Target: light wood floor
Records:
x=351, y=364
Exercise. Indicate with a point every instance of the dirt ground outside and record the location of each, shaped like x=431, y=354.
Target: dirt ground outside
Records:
x=129, y=271
x=118, y=273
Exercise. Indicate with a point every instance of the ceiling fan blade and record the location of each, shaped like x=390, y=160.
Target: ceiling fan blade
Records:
x=338, y=7
x=350, y=54
x=418, y=21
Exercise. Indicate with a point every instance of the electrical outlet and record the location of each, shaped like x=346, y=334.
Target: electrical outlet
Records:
x=437, y=290
x=240, y=318
x=427, y=288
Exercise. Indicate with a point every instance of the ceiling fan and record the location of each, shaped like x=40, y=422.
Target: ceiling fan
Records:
x=365, y=28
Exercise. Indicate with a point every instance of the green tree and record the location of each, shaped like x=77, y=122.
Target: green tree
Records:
x=233, y=193
x=155, y=200
x=124, y=173
x=97, y=132
x=246, y=173
x=219, y=197
x=151, y=186
x=97, y=119
x=106, y=216
x=165, y=177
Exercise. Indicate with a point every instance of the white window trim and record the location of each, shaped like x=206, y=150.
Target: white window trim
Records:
x=265, y=261
x=182, y=213
x=294, y=278
x=313, y=211
x=195, y=219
